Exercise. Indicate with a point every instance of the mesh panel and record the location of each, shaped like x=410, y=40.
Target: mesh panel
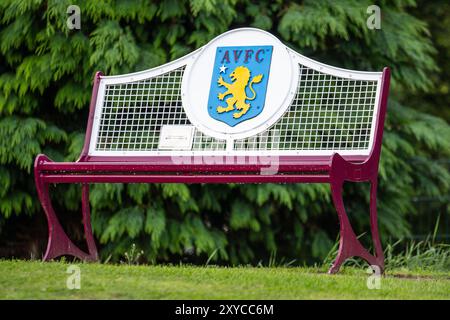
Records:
x=327, y=113
x=203, y=142
x=133, y=113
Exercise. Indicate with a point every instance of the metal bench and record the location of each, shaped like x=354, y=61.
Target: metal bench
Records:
x=242, y=109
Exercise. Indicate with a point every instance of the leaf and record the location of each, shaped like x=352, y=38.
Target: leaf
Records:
x=155, y=224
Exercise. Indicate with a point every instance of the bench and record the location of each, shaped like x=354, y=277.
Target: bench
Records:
x=244, y=108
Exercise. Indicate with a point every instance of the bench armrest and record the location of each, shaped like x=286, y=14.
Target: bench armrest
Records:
x=342, y=169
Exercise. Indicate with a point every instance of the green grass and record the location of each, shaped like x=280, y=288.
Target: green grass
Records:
x=38, y=280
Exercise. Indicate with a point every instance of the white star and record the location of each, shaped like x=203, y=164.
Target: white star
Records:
x=223, y=69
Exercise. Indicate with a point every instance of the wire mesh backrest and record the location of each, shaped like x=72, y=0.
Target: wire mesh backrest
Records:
x=133, y=114
x=328, y=114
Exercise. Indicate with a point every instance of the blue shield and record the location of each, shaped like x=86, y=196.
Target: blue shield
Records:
x=239, y=83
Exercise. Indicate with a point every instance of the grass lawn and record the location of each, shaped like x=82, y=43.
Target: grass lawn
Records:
x=38, y=280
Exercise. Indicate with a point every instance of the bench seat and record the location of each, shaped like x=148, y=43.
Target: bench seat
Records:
x=162, y=169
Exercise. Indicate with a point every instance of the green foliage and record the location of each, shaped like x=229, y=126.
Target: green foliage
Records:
x=46, y=75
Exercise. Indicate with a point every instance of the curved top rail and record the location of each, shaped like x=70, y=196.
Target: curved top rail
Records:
x=152, y=72
x=336, y=71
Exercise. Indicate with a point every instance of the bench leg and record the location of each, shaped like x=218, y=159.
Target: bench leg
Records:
x=87, y=223
x=349, y=245
x=58, y=242
x=374, y=225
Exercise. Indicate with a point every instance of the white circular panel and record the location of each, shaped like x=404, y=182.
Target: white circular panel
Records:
x=280, y=83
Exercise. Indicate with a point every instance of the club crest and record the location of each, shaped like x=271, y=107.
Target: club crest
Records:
x=239, y=83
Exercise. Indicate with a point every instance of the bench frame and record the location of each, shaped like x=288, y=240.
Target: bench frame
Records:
x=335, y=170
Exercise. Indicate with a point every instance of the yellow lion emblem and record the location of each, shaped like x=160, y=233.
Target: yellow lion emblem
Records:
x=240, y=77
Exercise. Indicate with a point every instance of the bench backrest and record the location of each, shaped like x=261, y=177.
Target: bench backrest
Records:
x=310, y=108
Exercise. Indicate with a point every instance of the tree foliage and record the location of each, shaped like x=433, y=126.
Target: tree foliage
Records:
x=46, y=73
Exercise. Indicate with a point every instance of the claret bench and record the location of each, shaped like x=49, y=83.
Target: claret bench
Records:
x=244, y=108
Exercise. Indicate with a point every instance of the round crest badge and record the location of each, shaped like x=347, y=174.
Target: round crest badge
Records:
x=239, y=84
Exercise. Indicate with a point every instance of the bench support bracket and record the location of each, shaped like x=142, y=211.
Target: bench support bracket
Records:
x=349, y=245
x=58, y=242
